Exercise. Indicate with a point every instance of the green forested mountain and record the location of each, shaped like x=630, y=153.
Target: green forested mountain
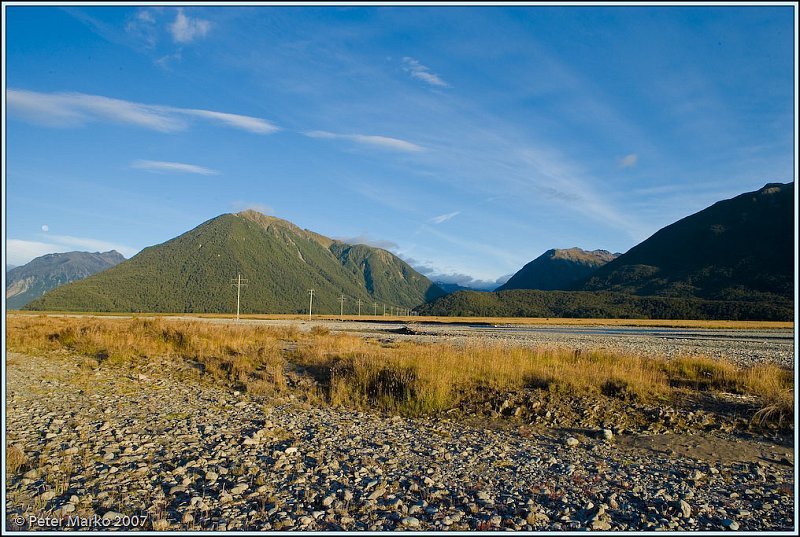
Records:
x=30, y=281
x=737, y=249
x=281, y=262
x=602, y=305
x=733, y=260
x=558, y=269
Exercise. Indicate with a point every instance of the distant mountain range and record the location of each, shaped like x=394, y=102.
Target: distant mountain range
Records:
x=733, y=260
x=281, y=262
x=558, y=269
x=30, y=281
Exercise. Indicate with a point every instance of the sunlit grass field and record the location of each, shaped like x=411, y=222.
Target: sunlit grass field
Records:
x=403, y=377
x=524, y=321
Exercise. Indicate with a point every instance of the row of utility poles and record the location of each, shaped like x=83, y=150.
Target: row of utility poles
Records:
x=240, y=282
x=393, y=310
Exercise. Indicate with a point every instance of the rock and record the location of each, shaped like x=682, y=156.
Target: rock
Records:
x=211, y=476
x=377, y=493
x=187, y=518
x=410, y=522
x=112, y=516
x=606, y=434
x=685, y=508
x=47, y=495
x=238, y=489
x=572, y=441
x=729, y=524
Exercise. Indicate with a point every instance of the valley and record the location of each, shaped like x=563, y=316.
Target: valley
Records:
x=271, y=442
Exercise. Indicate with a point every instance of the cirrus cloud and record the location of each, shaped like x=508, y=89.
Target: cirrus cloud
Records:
x=384, y=142
x=76, y=109
x=180, y=167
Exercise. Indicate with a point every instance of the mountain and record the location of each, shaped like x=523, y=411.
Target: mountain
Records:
x=558, y=269
x=737, y=249
x=733, y=260
x=451, y=287
x=279, y=261
x=28, y=282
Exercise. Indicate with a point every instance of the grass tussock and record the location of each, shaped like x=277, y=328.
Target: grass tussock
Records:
x=400, y=377
x=15, y=460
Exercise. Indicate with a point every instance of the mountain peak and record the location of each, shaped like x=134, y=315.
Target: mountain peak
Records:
x=558, y=269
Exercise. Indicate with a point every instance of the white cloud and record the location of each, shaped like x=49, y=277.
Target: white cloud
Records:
x=417, y=70
x=364, y=238
x=161, y=166
x=142, y=27
x=45, y=228
x=20, y=252
x=247, y=123
x=444, y=217
x=380, y=141
x=74, y=109
x=186, y=29
x=628, y=161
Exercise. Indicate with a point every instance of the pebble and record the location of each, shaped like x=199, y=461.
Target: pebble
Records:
x=328, y=469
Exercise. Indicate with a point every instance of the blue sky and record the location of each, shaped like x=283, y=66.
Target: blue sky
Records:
x=466, y=139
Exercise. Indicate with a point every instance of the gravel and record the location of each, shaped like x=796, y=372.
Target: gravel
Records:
x=182, y=459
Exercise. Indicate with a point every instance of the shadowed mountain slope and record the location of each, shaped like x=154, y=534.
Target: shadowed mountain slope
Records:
x=558, y=269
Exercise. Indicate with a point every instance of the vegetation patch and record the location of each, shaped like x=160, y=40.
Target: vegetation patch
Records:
x=407, y=378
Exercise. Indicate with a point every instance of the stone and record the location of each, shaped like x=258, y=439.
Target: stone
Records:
x=410, y=522
x=729, y=524
x=571, y=441
x=685, y=508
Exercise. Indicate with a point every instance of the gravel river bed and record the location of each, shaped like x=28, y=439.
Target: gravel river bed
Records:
x=157, y=447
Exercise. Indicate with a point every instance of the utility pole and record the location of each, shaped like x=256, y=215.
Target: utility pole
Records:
x=375, y=305
x=359, y=307
x=341, y=308
x=238, y=282
x=310, y=302
x=384, y=310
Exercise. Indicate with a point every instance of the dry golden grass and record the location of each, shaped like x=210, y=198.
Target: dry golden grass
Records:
x=15, y=459
x=404, y=377
x=524, y=321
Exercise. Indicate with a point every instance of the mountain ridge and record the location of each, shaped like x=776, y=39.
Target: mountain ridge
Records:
x=28, y=282
x=558, y=269
x=281, y=262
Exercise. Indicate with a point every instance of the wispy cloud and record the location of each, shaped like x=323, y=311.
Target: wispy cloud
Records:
x=384, y=142
x=142, y=27
x=161, y=166
x=23, y=251
x=364, y=238
x=458, y=278
x=628, y=161
x=444, y=217
x=417, y=70
x=74, y=109
x=186, y=29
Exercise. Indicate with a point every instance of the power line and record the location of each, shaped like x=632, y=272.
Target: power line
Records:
x=238, y=282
